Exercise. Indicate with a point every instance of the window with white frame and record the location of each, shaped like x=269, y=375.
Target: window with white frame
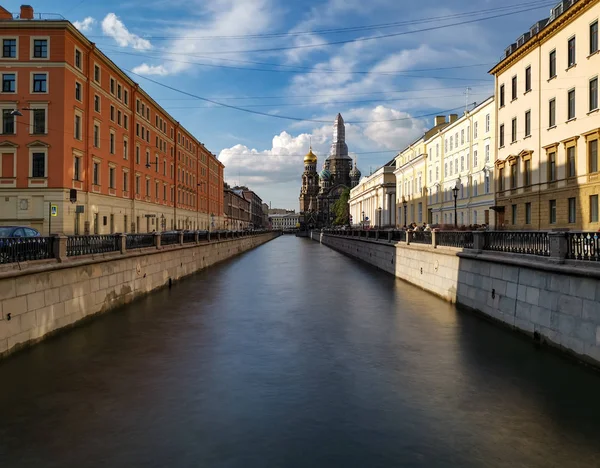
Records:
x=9, y=48
x=39, y=82
x=38, y=163
x=39, y=48
x=9, y=82
x=38, y=120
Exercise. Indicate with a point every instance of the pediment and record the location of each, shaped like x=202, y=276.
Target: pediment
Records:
x=8, y=144
x=37, y=144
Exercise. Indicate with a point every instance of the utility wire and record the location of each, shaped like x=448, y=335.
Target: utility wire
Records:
x=352, y=28
x=265, y=114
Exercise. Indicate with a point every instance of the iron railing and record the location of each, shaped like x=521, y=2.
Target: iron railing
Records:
x=139, y=241
x=583, y=246
x=21, y=249
x=399, y=236
x=458, y=239
x=528, y=243
x=189, y=237
x=87, y=245
x=202, y=235
x=421, y=237
x=169, y=238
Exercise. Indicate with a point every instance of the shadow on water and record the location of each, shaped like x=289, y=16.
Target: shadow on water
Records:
x=294, y=355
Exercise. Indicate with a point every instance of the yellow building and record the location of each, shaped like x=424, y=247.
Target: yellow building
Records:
x=461, y=155
x=411, y=178
x=548, y=123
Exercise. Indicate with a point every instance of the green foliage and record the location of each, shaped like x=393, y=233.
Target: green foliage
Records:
x=341, y=209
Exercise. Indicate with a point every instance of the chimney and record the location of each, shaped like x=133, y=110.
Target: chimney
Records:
x=5, y=14
x=439, y=120
x=453, y=118
x=26, y=12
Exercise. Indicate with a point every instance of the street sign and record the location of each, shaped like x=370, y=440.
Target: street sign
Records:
x=54, y=210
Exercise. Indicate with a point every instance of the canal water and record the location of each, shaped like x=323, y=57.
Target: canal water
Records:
x=293, y=355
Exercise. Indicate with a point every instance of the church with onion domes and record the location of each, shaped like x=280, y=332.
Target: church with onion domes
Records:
x=320, y=191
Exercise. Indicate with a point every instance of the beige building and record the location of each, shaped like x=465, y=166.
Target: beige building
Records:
x=461, y=155
x=548, y=123
x=373, y=200
x=282, y=222
x=411, y=177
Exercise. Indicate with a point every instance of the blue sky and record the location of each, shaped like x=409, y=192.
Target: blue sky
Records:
x=220, y=49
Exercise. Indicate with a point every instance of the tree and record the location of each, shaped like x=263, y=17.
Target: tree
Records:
x=341, y=209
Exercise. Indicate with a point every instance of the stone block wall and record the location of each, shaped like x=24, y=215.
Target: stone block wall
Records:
x=44, y=298
x=558, y=303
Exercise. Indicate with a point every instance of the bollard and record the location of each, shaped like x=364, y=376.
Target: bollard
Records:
x=157, y=240
x=60, y=247
x=558, y=247
x=122, y=243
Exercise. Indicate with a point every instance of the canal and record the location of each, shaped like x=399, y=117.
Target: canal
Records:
x=293, y=355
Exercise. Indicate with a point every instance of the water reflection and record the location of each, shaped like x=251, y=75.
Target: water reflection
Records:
x=294, y=355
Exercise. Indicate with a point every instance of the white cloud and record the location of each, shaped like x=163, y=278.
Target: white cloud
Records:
x=113, y=27
x=145, y=69
x=85, y=25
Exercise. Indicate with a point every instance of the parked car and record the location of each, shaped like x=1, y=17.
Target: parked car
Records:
x=18, y=231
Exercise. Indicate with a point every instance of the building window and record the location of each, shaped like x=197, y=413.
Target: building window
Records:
x=40, y=48
x=462, y=137
x=8, y=122
x=593, y=94
x=513, y=215
x=475, y=158
x=40, y=81
x=527, y=172
x=513, y=176
x=125, y=121
x=528, y=123
x=119, y=117
x=112, y=113
x=78, y=58
x=552, y=113
x=38, y=165
x=528, y=79
x=593, y=208
x=552, y=64
x=96, y=135
x=501, y=179
x=112, y=143
x=514, y=88
x=501, y=95
x=487, y=123
x=551, y=166
x=96, y=73
x=571, y=169
x=462, y=163
x=137, y=184
x=76, y=168
x=119, y=89
x=487, y=153
x=501, y=135
x=9, y=82
x=137, y=154
x=125, y=184
x=527, y=213
x=147, y=187
x=125, y=97
x=9, y=48
x=475, y=127
x=96, y=173
x=39, y=121
x=487, y=183
x=96, y=103
x=125, y=150
x=571, y=106
x=572, y=210
x=111, y=177
x=112, y=86
x=77, y=127
x=594, y=37
x=513, y=134
x=593, y=155
x=78, y=91
x=571, y=52
x=552, y=211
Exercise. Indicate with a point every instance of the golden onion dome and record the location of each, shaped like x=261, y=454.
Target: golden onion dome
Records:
x=310, y=157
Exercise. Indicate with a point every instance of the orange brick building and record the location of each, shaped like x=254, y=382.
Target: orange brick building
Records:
x=85, y=125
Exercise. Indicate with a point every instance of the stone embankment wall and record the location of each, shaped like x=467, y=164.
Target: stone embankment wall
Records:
x=557, y=303
x=46, y=296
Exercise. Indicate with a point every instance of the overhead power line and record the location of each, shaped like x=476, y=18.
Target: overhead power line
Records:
x=284, y=117
x=352, y=28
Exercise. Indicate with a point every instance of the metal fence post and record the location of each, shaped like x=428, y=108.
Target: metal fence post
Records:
x=180, y=237
x=409, y=235
x=122, y=243
x=157, y=240
x=390, y=236
x=59, y=247
x=558, y=247
x=434, y=241
x=196, y=237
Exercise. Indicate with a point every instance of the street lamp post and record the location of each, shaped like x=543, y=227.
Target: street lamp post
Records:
x=455, y=193
x=404, y=205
